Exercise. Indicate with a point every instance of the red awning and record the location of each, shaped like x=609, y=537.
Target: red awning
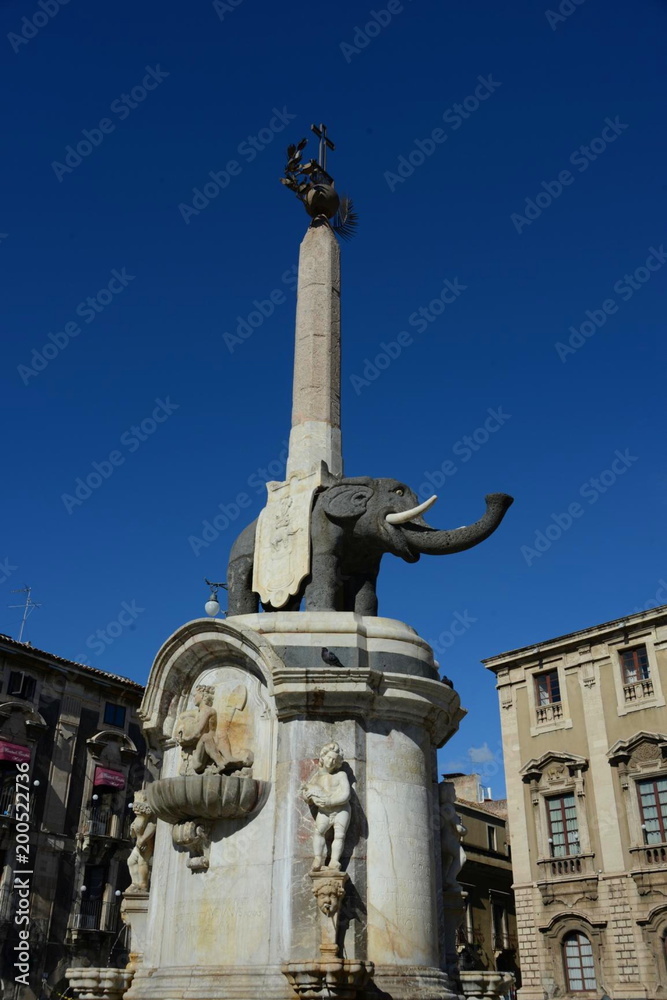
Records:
x=113, y=779
x=14, y=752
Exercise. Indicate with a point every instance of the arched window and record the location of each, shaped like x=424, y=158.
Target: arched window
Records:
x=578, y=961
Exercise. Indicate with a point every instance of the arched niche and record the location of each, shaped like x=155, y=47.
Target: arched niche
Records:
x=213, y=653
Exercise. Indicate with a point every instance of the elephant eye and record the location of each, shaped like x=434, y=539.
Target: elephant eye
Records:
x=399, y=492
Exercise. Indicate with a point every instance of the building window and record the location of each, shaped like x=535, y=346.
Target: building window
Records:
x=21, y=685
x=501, y=938
x=653, y=805
x=578, y=961
x=634, y=663
x=547, y=688
x=491, y=838
x=114, y=715
x=563, y=829
x=548, y=698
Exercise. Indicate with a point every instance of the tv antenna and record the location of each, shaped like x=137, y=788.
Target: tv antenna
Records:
x=28, y=606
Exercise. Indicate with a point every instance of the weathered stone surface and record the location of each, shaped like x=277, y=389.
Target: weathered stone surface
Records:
x=249, y=926
x=486, y=985
x=98, y=984
x=315, y=435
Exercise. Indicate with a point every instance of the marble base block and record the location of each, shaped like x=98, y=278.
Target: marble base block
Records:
x=251, y=926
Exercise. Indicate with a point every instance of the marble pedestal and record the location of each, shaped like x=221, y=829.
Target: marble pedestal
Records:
x=241, y=926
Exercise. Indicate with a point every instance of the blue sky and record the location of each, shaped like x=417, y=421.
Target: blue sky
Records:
x=541, y=200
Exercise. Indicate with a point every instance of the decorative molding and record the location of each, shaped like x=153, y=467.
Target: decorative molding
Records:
x=34, y=722
x=641, y=749
x=98, y=744
x=554, y=766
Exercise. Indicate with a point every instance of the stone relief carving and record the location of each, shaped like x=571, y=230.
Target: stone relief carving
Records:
x=215, y=779
x=194, y=836
x=452, y=832
x=142, y=832
x=327, y=974
x=557, y=772
x=204, y=734
x=645, y=753
x=329, y=890
x=329, y=791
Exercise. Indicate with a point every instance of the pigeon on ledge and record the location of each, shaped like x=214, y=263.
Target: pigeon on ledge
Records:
x=330, y=658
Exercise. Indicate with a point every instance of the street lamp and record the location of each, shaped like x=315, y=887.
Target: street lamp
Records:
x=212, y=607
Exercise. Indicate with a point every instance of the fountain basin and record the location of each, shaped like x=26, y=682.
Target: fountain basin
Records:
x=203, y=796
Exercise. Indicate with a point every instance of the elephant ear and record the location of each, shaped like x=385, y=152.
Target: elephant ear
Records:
x=346, y=501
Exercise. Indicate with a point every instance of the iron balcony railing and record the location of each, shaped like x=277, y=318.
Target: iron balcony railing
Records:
x=7, y=800
x=96, y=915
x=101, y=822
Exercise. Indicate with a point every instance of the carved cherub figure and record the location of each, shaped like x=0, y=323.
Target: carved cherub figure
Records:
x=329, y=791
x=142, y=832
x=195, y=728
x=204, y=740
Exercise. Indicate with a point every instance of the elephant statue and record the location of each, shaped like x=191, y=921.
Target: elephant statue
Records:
x=352, y=524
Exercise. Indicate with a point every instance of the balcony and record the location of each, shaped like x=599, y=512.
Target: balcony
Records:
x=648, y=867
x=7, y=800
x=96, y=915
x=8, y=803
x=638, y=690
x=556, y=873
x=650, y=855
x=549, y=713
x=101, y=822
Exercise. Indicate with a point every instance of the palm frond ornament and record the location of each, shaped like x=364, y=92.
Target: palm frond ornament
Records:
x=314, y=187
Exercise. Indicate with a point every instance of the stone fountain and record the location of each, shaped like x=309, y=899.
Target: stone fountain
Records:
x=297, y=846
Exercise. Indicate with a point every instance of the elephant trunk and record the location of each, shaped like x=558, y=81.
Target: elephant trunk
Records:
x=425, y=540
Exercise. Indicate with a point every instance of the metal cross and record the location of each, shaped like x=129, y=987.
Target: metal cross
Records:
x=325, y=143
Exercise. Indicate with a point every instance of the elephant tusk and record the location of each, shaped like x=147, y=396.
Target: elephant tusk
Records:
x=402, y=516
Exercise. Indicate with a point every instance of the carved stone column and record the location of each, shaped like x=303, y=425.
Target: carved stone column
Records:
x=134, y=914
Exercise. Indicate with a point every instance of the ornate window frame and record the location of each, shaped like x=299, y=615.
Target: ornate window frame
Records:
x=555, y=932
x=560, y=773
x=564, y=721
x=619, y=645
x=557, y=773
x=644, y=755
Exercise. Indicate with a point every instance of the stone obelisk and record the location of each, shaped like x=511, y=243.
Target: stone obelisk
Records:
x=315, y=436
x=283, y=546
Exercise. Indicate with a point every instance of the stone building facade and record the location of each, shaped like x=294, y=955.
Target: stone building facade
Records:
x=72, y=730
x=488, y=933
x=584, y=728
